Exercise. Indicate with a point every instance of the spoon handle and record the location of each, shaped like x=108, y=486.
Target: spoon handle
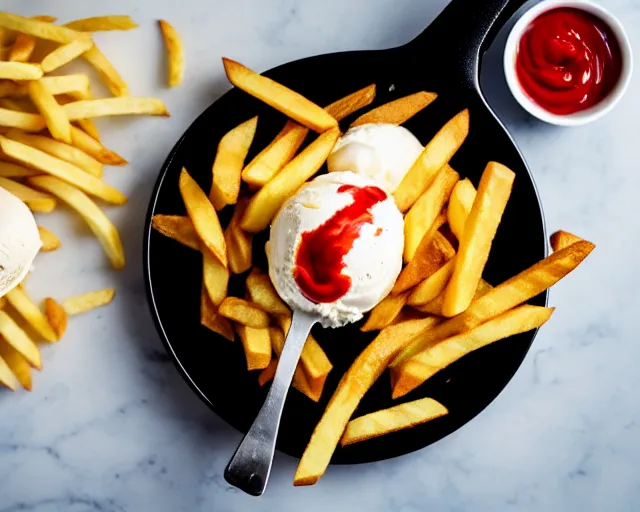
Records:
x=250, y=466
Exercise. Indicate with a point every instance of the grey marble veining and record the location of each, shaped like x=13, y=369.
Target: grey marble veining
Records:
x=111, y=427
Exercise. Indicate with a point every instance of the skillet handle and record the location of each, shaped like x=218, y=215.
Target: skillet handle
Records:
x=463, y=31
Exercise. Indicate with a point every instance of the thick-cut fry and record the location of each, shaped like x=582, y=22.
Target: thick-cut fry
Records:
x=20, y=71
x=392, y=419
x=175, y=53
x=430, y=361
x=54, y=115
x=262, y=292
x=23, y=120
x=434, y=307
x=56, y=316
x=22, y=48
x=481, y=226
x=37, y=28
x=101, y=23
x=67, y=84
x=50, y=242
x=107, y=72
x=432, y=286
x=397, y=111
x=257, y=346
x=520, y=288
x=353, y=102
x=178, y=227
x=243, y=312
x=239, y=242
x=435, y=155
x=563, y=239
x=210, y=318
x=215, y=277
x=61, y=169
x=19, y=340
x=65, y=54
x=21, y=302
x=98, y=222
x=425, y=210
x=268, y=200
x=34, y=199
x=11, y=170
x=12, y=362
x=290, y=103
x=93, y=148
x=227, y=166
x=59, y=149
x=88, y=301
x=204, y=217
x=115, y=107
x=460, y=203
x=385, y=312
x=266, y=164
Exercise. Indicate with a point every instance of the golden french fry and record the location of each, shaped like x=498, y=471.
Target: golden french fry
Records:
x=11, y=170
x=61, y=169
x=3, y=302
x=227, y=166
x=98, y=222
x=385, y=312
x=424, y=211
x=460, y=203
x=215, y=278
x=393, y=419
x=12, y=89
x=268, y=200
x=432, y=286
x=101, y=23
x=290, y=103
x=243, y=312
x=89, y=127
x=177, y=227
x=19, y=340
x=23, y=120
x=175, y=53
x=12, y=362
x=38, y=28
x=210, y=318
x=21, y=302
x=315, y=362
x=22, y=48
x=34, y=199
x=107, y=72
x=115, y=107
x=262, y=292
x=60, y=150
x=353, y=102
x=563, y=239
x=435, y=155
x=397, y=111
x=257, y=346
x=88, y=301
x=430, y=361
x=67, y=84
x=481, y=226
x=65, y=54
x=54, y=115
x=20, y=71
x=50, y=242
x=434, y=307
x=204, y=217
x=239, y=242
x=56, y=316
x=268, y=373
x=93, y=148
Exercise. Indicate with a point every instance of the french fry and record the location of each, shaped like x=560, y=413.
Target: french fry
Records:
x=460, y=203
x=50, y=242
x=37, y=28
x=430, y=361
x=65, y=54
x=23, y=304
x=385, y=312
x=290, y=103
x=98, y=222
x=210, y=318
x=215, y=278
x=23, y=120
x=563, y=239
x=12, y=362
x=425, y=210
x=20, y=71
x=11, y=170
x=257, y=346
x=228, y=163
x=34, y=199
x=67, y=84
x=115, y=107
x=93, y=148
x=353, y=102
x=268, y=200
x=434, y=307
x=175, y=53
x=12, y=89
x=397, y=111
x=54, y=115
x=60, y=150
x=89, y=127
x=19, y=340
x=315, y=362
x=101, y=23
x=432, y=286
x=177, y=227
x=244, y=313
x=204, y=217
x=88, y=301
x=393, y=419
x=435, y=155
x=268, y=373
x=62, y=170
x=22, y=48
x=7, y=376
x=107, y=72
x=56, y=316
x=262, y=292
x=239, y=242
x=3, y=302
x=481, y=226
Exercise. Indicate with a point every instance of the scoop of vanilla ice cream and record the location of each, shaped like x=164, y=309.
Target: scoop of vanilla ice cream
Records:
x=382, y=152
x=19, y=241
x=373, y=262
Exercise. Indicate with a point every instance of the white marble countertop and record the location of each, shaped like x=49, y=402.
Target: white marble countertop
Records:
x=111, y=427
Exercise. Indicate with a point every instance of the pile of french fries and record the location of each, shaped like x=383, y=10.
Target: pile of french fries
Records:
x=50, y=151
x=440, y=308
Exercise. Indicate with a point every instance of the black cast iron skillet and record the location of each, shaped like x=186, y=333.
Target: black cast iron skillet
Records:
x=445, y=59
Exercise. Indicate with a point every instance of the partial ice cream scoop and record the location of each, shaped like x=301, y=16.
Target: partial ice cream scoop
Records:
x=19, y=241
x=335, y=247
x=382, y=152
